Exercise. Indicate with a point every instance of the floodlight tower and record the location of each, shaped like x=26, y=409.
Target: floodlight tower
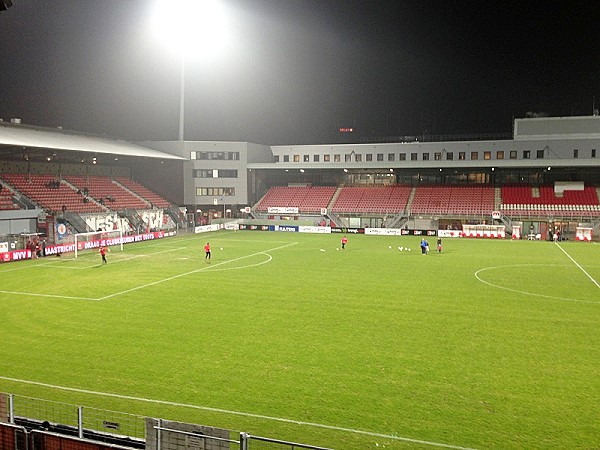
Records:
x=191, y=28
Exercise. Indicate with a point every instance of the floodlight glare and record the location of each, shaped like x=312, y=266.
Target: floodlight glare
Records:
x=191, y=27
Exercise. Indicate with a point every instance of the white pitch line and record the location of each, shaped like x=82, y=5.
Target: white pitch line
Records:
x=577, y=264
x=174, y=277
x=240, y=413
x=64, y=297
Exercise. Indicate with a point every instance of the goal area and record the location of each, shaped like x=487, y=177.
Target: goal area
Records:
x=92, y=241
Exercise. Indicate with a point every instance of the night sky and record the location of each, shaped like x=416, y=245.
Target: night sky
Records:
x=297, y=70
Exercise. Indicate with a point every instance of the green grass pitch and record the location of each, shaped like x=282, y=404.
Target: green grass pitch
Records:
x=490, y=344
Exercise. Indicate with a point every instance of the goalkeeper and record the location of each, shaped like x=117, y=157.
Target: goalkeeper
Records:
x=103, y=251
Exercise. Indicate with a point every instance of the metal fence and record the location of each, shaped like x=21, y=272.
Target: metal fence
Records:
x=29, y=423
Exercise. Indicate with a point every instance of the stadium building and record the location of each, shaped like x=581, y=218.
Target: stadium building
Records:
x=543, y=178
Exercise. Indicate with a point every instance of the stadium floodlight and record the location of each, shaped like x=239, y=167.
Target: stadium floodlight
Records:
x=192, y=29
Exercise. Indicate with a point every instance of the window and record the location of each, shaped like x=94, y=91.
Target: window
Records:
x=575, y=153
x=336, y=158
x=425, y=156
x=539, y=154
x=232, y=156
x=500, y=154
x=379, y=156
x=326, y=158
x=402, y=157
x=286, y=158
x=413, y=156
x=526, y=154
x=215, y=173
x=296, y=158
x=593, y=153
x=391, y=156
x=437, y=156
x=450, y=156
x=513, y=154
x=216, y=191
x=316, y=158
x=306, y=158
x=462, y=155
x=474, y=155
x=358, y=157
x=276, y=158
x=202, y=173
x=348, y=157
x=487, y=155
x=369, y=157
x=228, y=173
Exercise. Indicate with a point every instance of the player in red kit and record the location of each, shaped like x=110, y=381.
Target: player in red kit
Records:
x=344, y=242
x=103, y=251
x=207, y=251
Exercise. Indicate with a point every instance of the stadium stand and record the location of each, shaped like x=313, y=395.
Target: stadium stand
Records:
x=6, y=200
x=305, y=198
x=103, y=190
x=384, y=200
x=143, y=192
x=523, y=200
x=453, y=200
x=57, y=198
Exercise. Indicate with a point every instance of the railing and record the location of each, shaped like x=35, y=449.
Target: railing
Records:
x=29, y=423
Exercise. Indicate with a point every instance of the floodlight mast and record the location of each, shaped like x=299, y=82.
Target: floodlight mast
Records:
x=181, y=100
x=190, y=27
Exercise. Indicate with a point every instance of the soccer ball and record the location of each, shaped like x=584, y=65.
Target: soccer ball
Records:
x=337, y=248
x=221, y=248
x=390, y=247
x=400, y=248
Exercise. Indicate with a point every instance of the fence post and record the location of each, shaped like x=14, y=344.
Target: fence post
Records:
x=244, y=440
x=11, y=408
x=80, y=422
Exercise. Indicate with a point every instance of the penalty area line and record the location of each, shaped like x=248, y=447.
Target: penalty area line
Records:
x=238, y=413
x=174, y=277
